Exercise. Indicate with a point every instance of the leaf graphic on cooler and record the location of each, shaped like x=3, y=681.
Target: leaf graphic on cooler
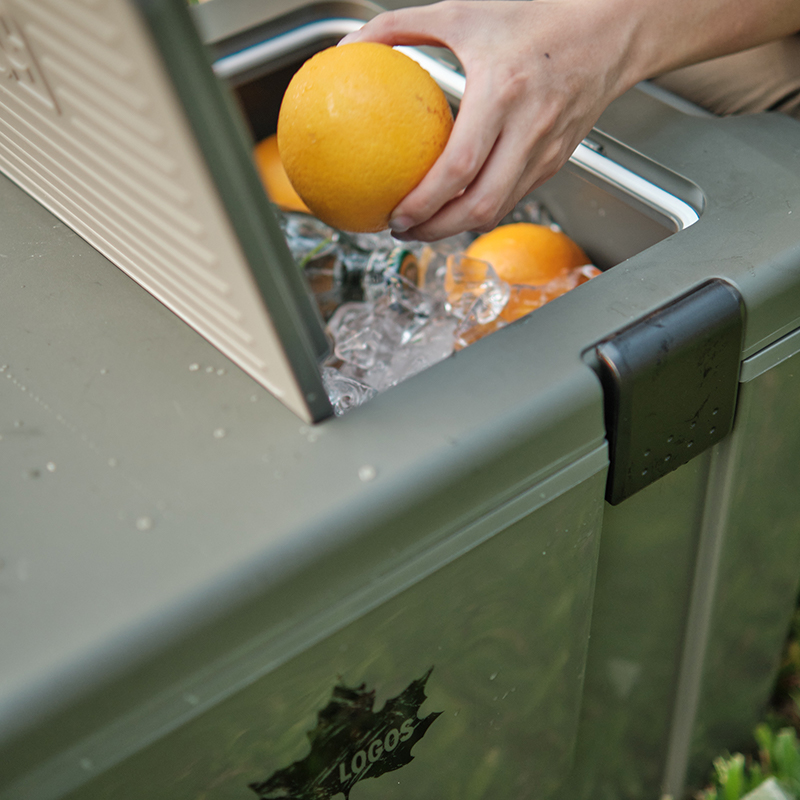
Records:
x=352, y=742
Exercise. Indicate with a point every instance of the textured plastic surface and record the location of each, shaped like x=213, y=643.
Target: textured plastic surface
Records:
x=179, y=551
x=670, y=385
x=94, y=129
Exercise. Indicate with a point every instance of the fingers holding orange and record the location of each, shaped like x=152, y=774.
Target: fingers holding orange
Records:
x=359, y=127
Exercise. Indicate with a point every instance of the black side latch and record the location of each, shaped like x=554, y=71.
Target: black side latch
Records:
x=670, y=382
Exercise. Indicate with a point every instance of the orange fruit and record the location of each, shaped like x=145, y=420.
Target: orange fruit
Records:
x=274, y=177
x=524, y=299
x=525, y=253
x=359, y=127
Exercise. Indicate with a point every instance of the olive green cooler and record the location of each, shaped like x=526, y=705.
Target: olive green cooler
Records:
x=214, y=588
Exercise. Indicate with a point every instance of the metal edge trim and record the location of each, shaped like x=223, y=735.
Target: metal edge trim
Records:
x=770, y=356
x=680, y=212
x=284, y=44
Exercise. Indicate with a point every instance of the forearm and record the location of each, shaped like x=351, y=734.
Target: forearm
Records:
x=669, y=35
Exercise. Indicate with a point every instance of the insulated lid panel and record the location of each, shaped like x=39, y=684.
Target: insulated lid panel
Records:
x=153, y=170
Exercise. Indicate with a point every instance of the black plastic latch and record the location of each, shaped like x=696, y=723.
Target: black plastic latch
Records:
x=670, y=382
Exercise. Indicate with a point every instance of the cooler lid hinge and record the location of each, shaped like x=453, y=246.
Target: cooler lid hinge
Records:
x=670, y=383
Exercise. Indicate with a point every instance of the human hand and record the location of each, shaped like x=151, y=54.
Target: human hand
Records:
x=539, y=74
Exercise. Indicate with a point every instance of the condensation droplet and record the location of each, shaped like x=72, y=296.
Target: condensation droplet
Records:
x=209, y=370
x=104, y=371
x=220, y=371
x=144, y=524
x=112, y=462
x=191, y=699
x=51, y=467
x=18, y=423
x=492, y=676
x=194, y=367
x=367, y=473
x=219, y=433
x=86, y=763
x=253, y=398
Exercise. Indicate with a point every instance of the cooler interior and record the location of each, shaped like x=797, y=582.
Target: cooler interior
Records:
x=605, y=217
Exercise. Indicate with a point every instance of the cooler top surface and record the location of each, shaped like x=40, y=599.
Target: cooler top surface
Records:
x=151, y=485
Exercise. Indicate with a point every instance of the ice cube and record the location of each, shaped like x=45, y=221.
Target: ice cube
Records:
x=344, y=392
x=307, y=237
x=473, y=289
x=533, y=211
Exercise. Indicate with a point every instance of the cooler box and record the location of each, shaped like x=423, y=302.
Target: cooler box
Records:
x=213, y=588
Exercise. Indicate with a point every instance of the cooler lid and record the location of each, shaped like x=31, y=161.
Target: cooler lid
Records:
x=115, y=122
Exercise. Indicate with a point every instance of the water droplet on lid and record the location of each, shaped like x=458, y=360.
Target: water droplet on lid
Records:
x=194, y=367
x=51, y=467
x=492, y=676
x=18, y=423
x=253, y=398
x=219, y=433
x=191, y=699
x=103, y=371
x=220, y=371
x=367, y=473
x=209, y=370
x=144, y=524
x=86, y=763
x=112, y=462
